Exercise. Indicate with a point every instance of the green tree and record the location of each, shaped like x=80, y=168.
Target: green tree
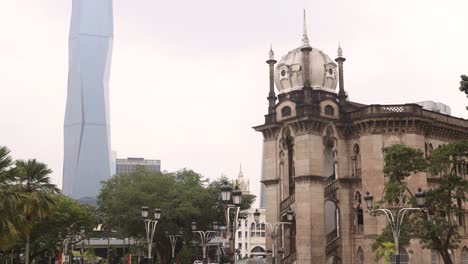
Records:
x=183, y=196
x=33, y=181
x=437, y=226
x=10, y=221
x=464, y=85
x=45, y=232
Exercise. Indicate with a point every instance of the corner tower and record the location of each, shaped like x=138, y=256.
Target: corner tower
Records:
x=86, y=128
x=321, y=152
x=299, y=152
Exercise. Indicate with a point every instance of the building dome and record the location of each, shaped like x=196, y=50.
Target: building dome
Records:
x=289, y=74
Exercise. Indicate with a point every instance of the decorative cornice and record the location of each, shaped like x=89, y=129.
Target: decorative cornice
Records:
x=308, y=126
x=398, y=126
x=270, y=182
x=309, y=178
x=270, y=132
x=350, y=181
x=400, y=119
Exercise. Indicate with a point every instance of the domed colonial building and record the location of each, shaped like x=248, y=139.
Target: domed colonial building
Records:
x=322, y=152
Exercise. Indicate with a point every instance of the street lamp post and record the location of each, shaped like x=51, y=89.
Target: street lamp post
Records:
x=150, y=227
x=273, y=229
x=226, y=194
x=205, y=237
x=173, y=240
x=71, y=239
x=82, y=235
x=396, y=222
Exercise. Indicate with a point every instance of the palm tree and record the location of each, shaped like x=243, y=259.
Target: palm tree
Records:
x=9, y=200
x=32, y=180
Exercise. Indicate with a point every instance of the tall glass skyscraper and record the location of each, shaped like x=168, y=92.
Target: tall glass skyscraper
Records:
x=86, y=129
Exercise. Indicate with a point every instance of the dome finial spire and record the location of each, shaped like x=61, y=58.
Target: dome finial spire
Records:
x=241, y=174
x=340, y=51
x=305, y=39
x=271, y=54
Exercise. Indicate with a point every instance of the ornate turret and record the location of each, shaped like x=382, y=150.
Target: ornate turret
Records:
x=242, y=182
x=271, y=95
x=341, y=93
x=306, y=49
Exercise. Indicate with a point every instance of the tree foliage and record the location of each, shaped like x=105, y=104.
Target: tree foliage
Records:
x=464, y=85
x=45, y=233
x=32, y=209
x=183, y=196
x=437, y=226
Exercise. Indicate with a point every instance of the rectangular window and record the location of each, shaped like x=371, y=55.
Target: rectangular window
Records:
x=246, y=234
x=434, y=257
x=239, y=245
x=239, y=234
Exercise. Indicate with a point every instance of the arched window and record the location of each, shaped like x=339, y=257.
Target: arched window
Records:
x=285, y=111
x=404, y=258
x=360, y=256
x=360, y=220
x=435, y=257
x=329, y=110
x=464, y=256
x=356, y=161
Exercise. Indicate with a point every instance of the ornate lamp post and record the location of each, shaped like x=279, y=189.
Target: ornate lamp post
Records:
x=173, y=239
x=396, y=222
x=150, y=227
x=226, y=194
x=70, y=240
x=82, y=249
x=205, y=237
x=273, y=229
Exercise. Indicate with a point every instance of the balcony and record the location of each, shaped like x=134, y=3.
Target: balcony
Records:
x=330, y=189
x=332, y=248
x=286, y=203
x=331, y=236
x=290, y=259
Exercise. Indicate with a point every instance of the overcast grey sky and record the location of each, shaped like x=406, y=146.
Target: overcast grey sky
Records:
x=189, y=78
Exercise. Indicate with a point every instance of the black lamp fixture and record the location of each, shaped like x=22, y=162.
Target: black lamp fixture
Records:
x=157, y=214
x=236, y=196
x=144, y=211
x=256, y=216
x=215, y=226
x=369, y=199
x=226, y=190
x=290, y=215
x=420, y=198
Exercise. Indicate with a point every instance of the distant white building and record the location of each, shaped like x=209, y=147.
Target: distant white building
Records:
x=250, y=237
x=131, y=164
x=435, y=107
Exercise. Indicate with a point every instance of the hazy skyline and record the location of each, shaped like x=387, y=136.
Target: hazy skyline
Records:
x=189, y=78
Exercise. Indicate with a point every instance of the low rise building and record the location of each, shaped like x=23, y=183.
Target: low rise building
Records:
x=131, y=164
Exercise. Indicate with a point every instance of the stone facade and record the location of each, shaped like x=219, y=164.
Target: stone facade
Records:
x=322, y=153
x=250, y=236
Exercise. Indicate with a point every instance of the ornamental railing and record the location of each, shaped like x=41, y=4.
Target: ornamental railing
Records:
x=405, y=110
x=286, y=203
x=331, y=236
x=333, y=247
x=329, y=180
x=290, y=259
x=330, y=189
